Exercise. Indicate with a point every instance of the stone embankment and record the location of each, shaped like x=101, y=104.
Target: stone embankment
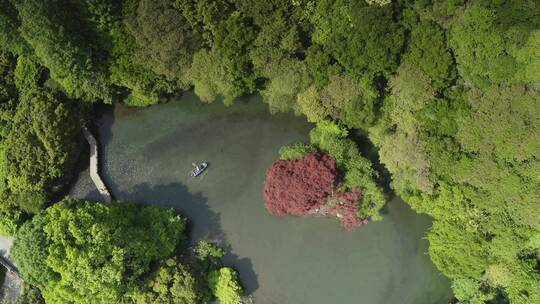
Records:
x=94, y=166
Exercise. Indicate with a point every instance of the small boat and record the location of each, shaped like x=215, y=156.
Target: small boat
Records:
x=198, y=169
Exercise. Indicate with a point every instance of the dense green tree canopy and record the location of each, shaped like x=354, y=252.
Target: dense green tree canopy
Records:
x=62, y=49
x=447, y=90
x=174, y=282
x=93, y=253
x=225, y=286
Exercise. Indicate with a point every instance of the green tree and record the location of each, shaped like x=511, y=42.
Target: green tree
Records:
x=342, y=98
x=30, y=295
x=226, y=69
x=174, y=282
x=364, y=39
x=97, y=253
x=165, y=41
x=62, y=49
x=146, y=86
x=10, y=39
x=225, y=285
x=30, y=250
x=487, y=40
x=41, y=146
x=357, y=170
x=287, y=78
x=427, y=51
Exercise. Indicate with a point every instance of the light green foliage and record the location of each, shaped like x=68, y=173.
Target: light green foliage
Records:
x=488, y=40
x=342, y=98
x=529, y=58
x=97, y=253
x=212, y=79
x=296, y=151
x=364, y=39
x=225, y=285
x=11, y=216
x=39, y=140
x=174, y=282
x=511, y=115
x=449, y=259
x=378, y=2
x=469, y=291
x=205, y=250
x=61, y=48
x=440, y=11
x=287, y=78
x=398, y=136
x=357, y=170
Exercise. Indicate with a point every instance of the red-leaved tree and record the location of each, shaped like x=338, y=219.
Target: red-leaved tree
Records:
x=345, y=206
x=298, y=186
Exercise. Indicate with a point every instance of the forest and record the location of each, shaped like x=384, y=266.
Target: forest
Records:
x=448, y=91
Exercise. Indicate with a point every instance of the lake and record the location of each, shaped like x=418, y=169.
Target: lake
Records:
x=147, y=155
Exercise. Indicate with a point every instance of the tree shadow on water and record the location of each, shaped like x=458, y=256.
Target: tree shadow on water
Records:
x=203, y=223
x=244, y=266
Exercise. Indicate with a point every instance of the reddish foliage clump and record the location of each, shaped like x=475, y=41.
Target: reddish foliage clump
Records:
x=298, y=186
x=346, y=208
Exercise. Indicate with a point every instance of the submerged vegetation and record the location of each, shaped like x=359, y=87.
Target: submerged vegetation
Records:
x=448, y=91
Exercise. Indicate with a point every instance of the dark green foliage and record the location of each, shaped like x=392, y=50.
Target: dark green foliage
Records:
x=30, y=250
x=3, y=272
x=28, y=74
x=427, y=51
x=205, y=16
x=364, y=39
x=41, y=145
x=8, y=91
x=30, y=295
x=165, y=42
x=225, y=70
x=146, y=87
x=39, y=140
x=56, y=42
x=10, y=40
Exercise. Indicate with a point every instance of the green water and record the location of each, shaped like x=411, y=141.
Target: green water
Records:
x=147, y=155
